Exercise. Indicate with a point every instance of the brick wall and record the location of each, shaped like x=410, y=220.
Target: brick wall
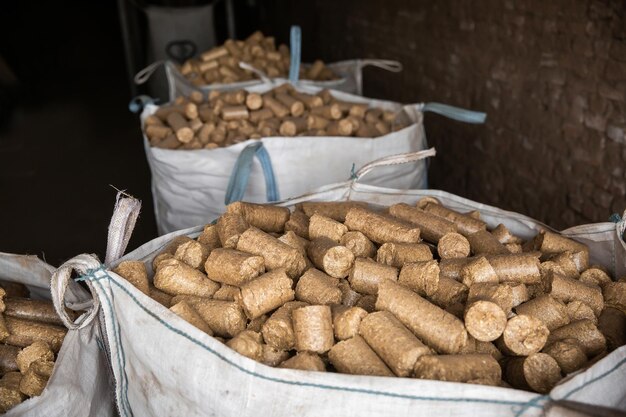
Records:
x=550, y=74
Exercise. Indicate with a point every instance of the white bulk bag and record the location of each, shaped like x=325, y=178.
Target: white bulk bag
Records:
x=190, y=186
x=165, y=366
x=79, y=385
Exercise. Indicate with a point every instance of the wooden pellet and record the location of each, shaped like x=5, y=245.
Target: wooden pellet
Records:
x=10, y=394
x=180, y=126
x=228, y=293
x=523, y=268
x=578, y=310
x=449, y=292
x=296, y=107
x=322, y=226
x=483, y=242
x=432, y=227
x=278, y=328
x=422, y=277
x=293, y=126
x=305, y=361
x=36, y=310
x=39, y=350
x=614, y=296
x=354, y=356
x=332, y=112
x=225, y=318
x=359, y=244
x=484, y=320
x=248, y=344
x=470, y=368
x=313, y=328
x=612, y=324
x=595, y=276
x=315, y=287
x=25, y=332
x=538, y=372
x=504, y=236
x=367, y=274
x=175, y=277
x=266, y=293
x=587, y=334
x=380, y=229
x=298, y=223
x=160, y=297
x=523, y=335
x=465, y=224
x=209, y=237
x=453, y=245
x=190, y=315
x=193, y=253
x=501, y=294
x=478, y=270
x=349, y=297
x=230, y=226
x=331, y=257
x=346, y=321
x=336, y=210
x=567, y=264
x=568, y=354
x=569, y=289
x=278, y=109
x=552, y=312
x=399, y=254
x=268, y=218
x=272, y=356
x=551, y=243
x=8, y=358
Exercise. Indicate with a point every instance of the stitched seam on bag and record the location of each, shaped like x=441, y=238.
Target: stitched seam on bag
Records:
x=120, y=349
x=528, y=404
x=599, y=377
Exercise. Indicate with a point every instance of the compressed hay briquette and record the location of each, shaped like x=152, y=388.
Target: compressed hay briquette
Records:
x=595, y=275
x=272, y=356
x=453, y=245
x=313, y=328
x=367, y=274
x=565, y=261
x=367, y=303
x=504, y=235
x=485, y=320
x=298, y=223
x=267, y=217
x=519, y=293
x=577, y=310
x=331, y=257
x=230, y=227
x=36, y=378
x=346, y=321
x=431, y=324
x=521, y=267
x=501, y=294
x=590, y=338
x=552, y=243
x=135, y=273
x=225, y=318
x=612, y=324
x=359, y=244
x=537, y=372
x=190, y=315
x=568, y=354
x=209, y=237
x=275, y=253
x=523, y=335
x=421, y=277
x=305, y=361
x=248, y=344
x=227, y=293
x=569, y=289
x=34, y=352
x=10, y=394
x=336, y=210
x=449, y=292
x=614, y=295
x=552, y=312
x=466, y=225
x=175, y=277
x=322, y=226
x=193, y=253
x=470, y=368
x=8, y=358
x=354, y=356
x=23, y=333
x=483, y=242
x=257, y=324
x=381, y=229
x=478, y=270
x=432, y=227
x=266, y=293
x=392, y=341
x=233, y=267
x=316, y=287
x=349, y=297
x=278, y=328
x=398, y=254
x=160, y=296
x=37, y=310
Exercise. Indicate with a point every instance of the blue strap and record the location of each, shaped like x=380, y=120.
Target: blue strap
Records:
x=137, y=104
x=296, y=49
x=240, y=175
x=456, y=113
x=615, y=218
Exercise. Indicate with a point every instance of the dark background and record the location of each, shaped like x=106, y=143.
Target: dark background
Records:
x=551, y=76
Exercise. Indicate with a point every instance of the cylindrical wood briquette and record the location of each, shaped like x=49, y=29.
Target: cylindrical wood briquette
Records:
x=596, y=276
x=268, y=218
x=565, y=260
x=39, y=350
x=432, y=325
x=478, y=270
x=8, y=358
x=570, y=289
x=266, y=293
x=316, y=122
x=359, y=244
x=298, y=223
x=193, y=253
x=292, y=126
x=160, y=297
x=322, y=226
x=225, y=318
x=612, y=324
x=190, y=315
x=331, y=112
x=523, y=267
x=568, y=354
x=367, y=302
x=278, y=328
x=392, y=341
x=354, y=356
x=248, y=344
x=380, y=229
x=398, y=254
x=519, y=293
x=275, y=253
x=305, y=361
x=577, y=310
x=35, y=379
x=615, y=295
x=273, y=356
x=465, y=224
x=228, y=293
x=230, y=226
x=590, y=338
x=209, y=237
x=451, y=268
x=449, y=292
x=336, y=210
x=432, y=227
x=470, y=368
x=25, y=332
x=453, y=245
x=175, y=277
x=275, y=106
x=483, y=242
x=296, y=107
x=331, y=257
x=367, y=274
x=501, y=294
x=254, y=101
x=10, y=394
x=313, y=328
x=523, y=335
x=37, y=310
x=504, y=235
x=484, y=320
x=180, y=127
x=537, y=372
x=346, y=321
x=349, y=297
x=315, y=287
x=421, y=277
x=552, y=243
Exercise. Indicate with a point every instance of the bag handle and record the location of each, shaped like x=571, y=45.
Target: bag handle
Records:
x=454, y=113
x=386, y=64
x=295, y=40
x=240, y=175
x=123, y=221
x=144, y=75
x=398, y=159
